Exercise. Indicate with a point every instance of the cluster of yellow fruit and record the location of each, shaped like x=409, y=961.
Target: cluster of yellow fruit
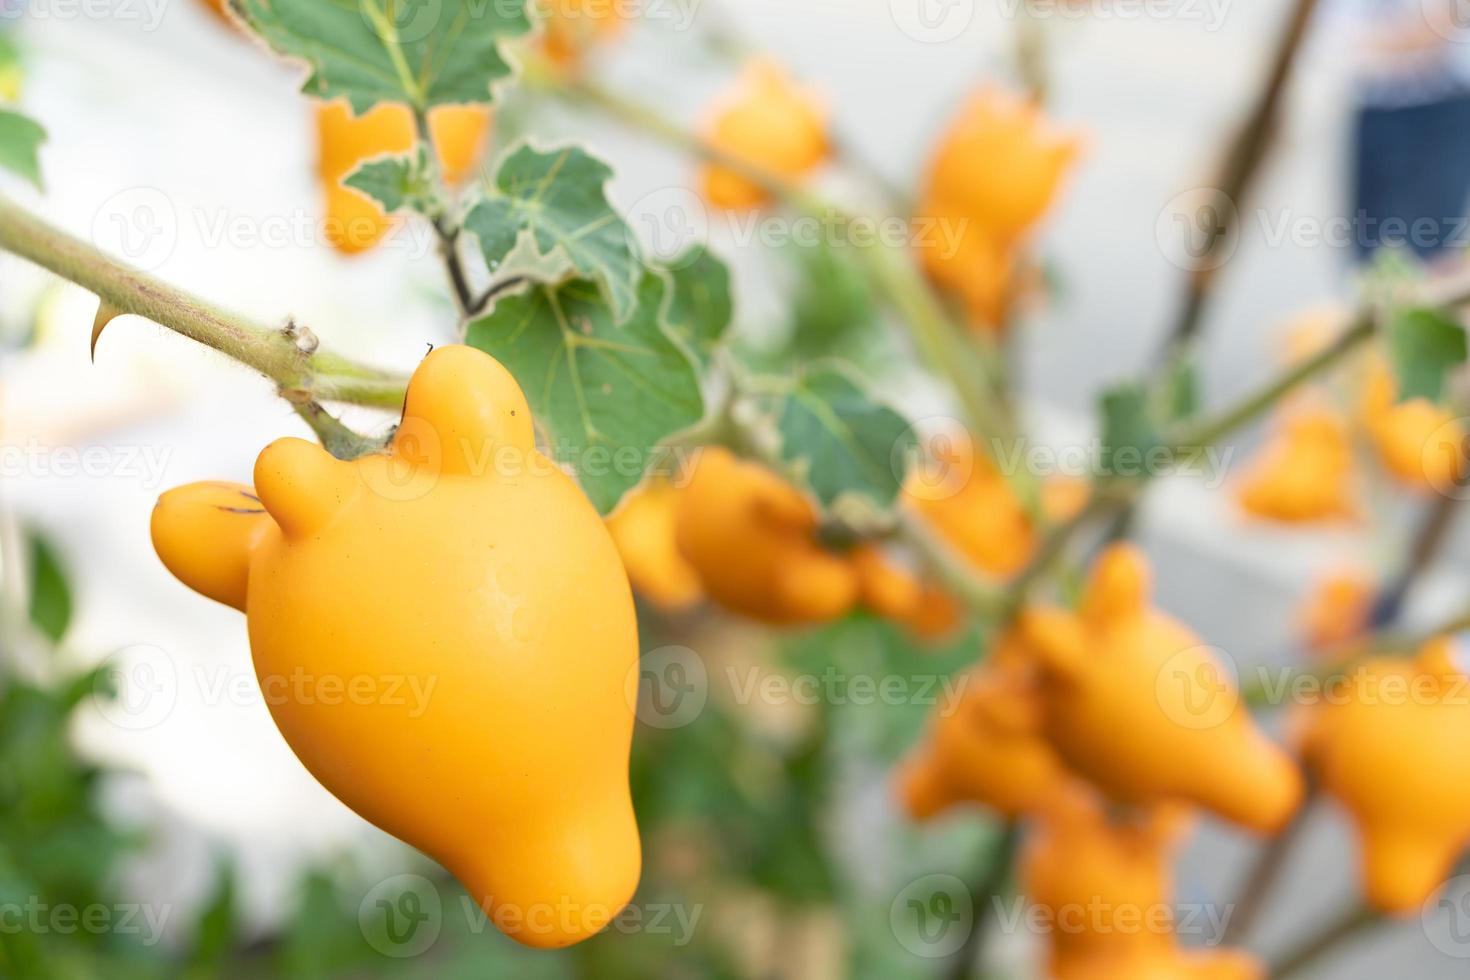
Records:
x=1306, y=473
x=1119, y=705
x=740, y=535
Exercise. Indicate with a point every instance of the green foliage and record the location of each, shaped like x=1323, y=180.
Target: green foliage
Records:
x=50, y=605
x=606, y=392
x=20, y=144
x=842, y=440
x=1424, y=346
x=397, y=182
x=371, y=51
x=1130, y=428
x=557, y=201
x=700, y=307
x=833, y=307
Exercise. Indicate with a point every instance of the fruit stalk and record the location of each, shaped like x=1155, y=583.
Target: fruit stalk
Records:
x=310, y=374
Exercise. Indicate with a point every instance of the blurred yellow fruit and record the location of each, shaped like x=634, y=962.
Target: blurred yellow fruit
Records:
x=1138, y=705
x=571, y=28
x=1305, y=473
x=770, y=124
x=1389, y=744
x=1420, y=443
x=1337, y=609
x=752, y=539
x=355, y=222
x=643, y=528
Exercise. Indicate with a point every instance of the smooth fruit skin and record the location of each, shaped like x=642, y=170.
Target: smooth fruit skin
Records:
x=769, y=123
x=1391, y=747
x=1139, y=706
x=446, y=639
x=355, y=222
x=985, y=747
x=644, y=528
x=205, y=534
x=1304, y=475
x=752, y=538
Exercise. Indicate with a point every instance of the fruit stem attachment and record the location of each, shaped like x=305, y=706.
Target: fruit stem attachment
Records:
x=1350, y=924
x=277, y=354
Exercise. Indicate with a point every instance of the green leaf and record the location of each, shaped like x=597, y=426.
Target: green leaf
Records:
x=1177, y=397
x=20, y=143
x=1423, y=346
x=842, y=440
x=215, y=932
x=50, y=609
x=605, y=392
x=420, y=52
x=396, y=182
x=557, y=200
x=833, y=303
x=700, y=308
x=1128, y=429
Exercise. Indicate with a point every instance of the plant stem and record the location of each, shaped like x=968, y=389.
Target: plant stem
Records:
x=1265, y=872
x=312, y=375
x=1242, y=166
x=1428, y=542
x=1000, y=864
x=1354, y=922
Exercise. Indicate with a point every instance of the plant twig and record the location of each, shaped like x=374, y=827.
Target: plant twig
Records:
x=321, y=376
x=454, y=267
x=1242, y=166
x=335, y=437
x=1000, y=865
x=1349, y=925
x=1265, y=872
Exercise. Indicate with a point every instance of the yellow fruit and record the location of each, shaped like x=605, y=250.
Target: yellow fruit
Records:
x=752, y=539
x=1420, y=443
x=985, y=746
x=643, y=528
x=1304, y=475
x=461, y=567
x=769, y=124
x=1389, y=744
x=1136, y=704
x=1338, y=609
x=571, y=28
x=354, y=222
x=977, y=269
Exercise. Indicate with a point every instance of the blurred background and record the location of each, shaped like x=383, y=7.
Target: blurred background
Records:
x=774, y=845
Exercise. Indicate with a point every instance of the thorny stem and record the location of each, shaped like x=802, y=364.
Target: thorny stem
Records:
x=313, y=375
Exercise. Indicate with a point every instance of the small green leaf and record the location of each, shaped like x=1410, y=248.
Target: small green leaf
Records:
x=1177, y=397
x=700, y=307
x=396, y=182
x=1128, y=430
x=20, y=143
x=833, y=303
x=558, y=199
x=842, y=440
x=50, y=609
x=605, y=392
x=1424, y=345
x=420, y=52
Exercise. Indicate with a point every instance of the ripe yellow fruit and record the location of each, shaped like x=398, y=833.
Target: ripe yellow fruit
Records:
x=571, y=28
x=355, y=222
x=1139, y=706
x=1305, y=474
x=1420, y=443
x=1338, y=609
x=752, y=539
x=462, y=565
x=644, y=529
x=985, y=746
x=977, y=269
x=770, y=124
x=1389, y=744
